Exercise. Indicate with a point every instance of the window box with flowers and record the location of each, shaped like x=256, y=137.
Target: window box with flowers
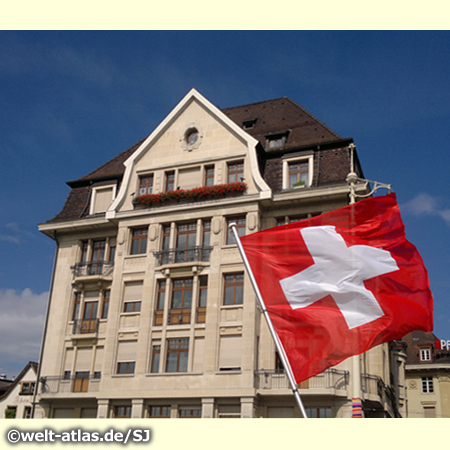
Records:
x=199, y=193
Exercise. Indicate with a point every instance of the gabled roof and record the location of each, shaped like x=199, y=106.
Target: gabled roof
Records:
x=31, y=365
x=421, y=339
x=270, y=117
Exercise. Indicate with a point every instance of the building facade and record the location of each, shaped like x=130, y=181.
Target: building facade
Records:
x=151, y=312
x=17, y=401
x=427, y=376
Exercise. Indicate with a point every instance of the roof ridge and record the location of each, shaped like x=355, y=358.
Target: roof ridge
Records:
x=256, y=103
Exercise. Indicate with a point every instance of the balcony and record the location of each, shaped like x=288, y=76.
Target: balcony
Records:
x=101, y=269
x=183, y=255
x=81, y=383
x=276, y=379
x=85, y=326
x=380, y=395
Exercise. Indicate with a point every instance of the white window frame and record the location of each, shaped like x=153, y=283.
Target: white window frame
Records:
x=425, y=354
x=96, y=189
x=427, y=385
x=287, y=161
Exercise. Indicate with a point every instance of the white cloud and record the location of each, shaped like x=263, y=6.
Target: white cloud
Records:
x=21, y=327
x=425, y=204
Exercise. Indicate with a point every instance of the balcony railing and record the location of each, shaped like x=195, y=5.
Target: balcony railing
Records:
x=182, y=255
x=374, y=385
x=93, y=268
x=85, y=326
x=277, y=379
x=82, y=383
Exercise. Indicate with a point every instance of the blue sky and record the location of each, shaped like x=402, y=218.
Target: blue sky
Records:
x=72, y=100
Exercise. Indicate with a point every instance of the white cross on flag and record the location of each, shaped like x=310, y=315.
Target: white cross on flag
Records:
x=341, y=283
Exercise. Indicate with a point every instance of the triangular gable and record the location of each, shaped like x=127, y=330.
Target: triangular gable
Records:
x=192, y=96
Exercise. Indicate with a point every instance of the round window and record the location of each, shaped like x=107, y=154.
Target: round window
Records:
x=191, y=136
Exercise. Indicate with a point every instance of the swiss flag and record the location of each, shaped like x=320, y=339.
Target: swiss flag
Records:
x=340, y=283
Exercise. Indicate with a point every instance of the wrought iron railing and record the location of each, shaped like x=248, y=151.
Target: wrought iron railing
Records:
x=183, y=255
x=374, y=385
x=277, y=379
x=92, y=268
x=84, y=326
x=81, y=383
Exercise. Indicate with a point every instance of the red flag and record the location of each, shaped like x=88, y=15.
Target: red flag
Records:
x=340, y=283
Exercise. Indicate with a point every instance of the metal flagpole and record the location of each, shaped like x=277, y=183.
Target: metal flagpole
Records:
x=352, y=179
x=262, y=306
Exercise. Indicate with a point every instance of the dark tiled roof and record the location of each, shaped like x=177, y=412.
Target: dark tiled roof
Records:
x=282, y=115
x=270, y=118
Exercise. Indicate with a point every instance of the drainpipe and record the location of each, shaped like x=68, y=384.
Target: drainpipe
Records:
x=44, y=334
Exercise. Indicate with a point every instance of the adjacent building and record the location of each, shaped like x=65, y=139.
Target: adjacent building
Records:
x=151, y=312
x=427, y=375
x=17, y=401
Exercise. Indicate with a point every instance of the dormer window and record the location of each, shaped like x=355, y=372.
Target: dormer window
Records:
x=249, y=124
x=275, y=141
x=298, y=171
x=425, y=354
x=102, y=197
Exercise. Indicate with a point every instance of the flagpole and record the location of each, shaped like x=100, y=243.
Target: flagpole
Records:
x=262, y=306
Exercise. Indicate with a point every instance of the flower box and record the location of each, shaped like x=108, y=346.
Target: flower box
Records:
x=200, y=193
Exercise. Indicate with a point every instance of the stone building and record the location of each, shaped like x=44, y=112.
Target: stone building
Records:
x=427, y=375
x=151, y=312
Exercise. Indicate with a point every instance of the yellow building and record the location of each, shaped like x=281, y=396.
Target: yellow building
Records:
x=427, y=376
x=151, y=312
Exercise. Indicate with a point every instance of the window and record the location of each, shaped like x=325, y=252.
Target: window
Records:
x=233, y=292
x=169, y=182
x=249, y=124
x=27, y=412
x=209, y=176
x=425, y=354
x=429, y=412
x=235, y=172
x=181, y=302
x=10, y=412
x=166, y=237
x=146, y=184
x=427, y=385
x=27, y=388
x=297, y=172
x=126, y=357
x=98, y=250
x=202, y=296
x=318, y=413
x=84, y=251
x=293, y=219
x=156, y=357
x=177, y=355
x=132, y=296
x=186, y=239
x=230, y=353
x=81, y=381
x=160, y=301
x=190, y=413
x=126, y=367
x=122, y=412
x=159, y=412
x=275, y=141
x=240, y=226
x=76, y=306
x=139, y=241
x=105, y=307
